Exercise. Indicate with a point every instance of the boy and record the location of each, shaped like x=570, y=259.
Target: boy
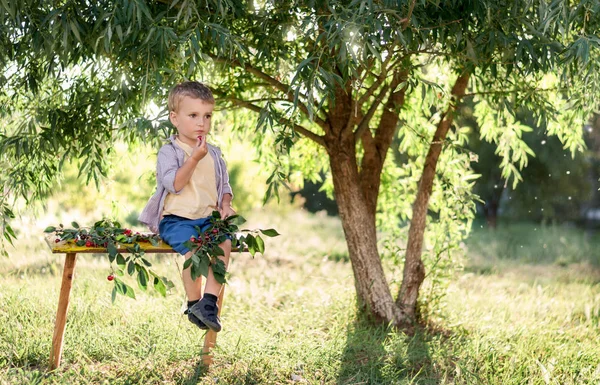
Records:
x=192, y=181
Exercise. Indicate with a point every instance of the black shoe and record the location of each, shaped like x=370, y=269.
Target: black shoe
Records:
x=193, y=319
x=206, y=311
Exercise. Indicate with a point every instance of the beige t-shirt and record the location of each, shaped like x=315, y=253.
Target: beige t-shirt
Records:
x=198, y=198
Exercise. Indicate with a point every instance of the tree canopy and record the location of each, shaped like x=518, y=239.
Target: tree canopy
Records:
x=340, y=78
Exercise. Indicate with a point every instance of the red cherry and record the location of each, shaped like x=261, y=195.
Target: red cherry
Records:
x=215, y=231
x=57, y=240
x=127, y=232
x=110, y=277
x=88, y=244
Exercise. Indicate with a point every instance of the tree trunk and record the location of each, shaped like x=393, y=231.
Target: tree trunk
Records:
x=491, y=213
x=414, y=270
x=358, y=222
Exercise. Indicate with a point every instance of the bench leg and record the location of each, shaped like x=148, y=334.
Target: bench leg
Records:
x=211, y=337
x=61, y=313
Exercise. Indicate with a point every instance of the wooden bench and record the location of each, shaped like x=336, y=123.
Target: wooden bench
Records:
x=71, y=250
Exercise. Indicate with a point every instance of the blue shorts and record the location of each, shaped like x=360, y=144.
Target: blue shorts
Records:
x=175, y=230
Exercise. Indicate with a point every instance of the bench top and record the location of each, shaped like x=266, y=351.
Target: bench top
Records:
x=71, y=247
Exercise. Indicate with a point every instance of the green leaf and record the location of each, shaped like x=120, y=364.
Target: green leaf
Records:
x=120, y=260
x=216, y=214
x=113, y=295
x=129, y=291
x=187, y=263
x=270, y=232
x=131, y=268
x=75, y=225
x=236, y=220
x=168, y=282
x=250, y=242
x=217, y=251
x=112, y=250
x=142, y=278
x=219, y=278
x=9, y=234
x=203, y=267
x=50, y=229
x=160, y=287
x=260, y=244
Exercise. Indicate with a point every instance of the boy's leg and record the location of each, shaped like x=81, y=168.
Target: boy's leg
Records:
x=206, y=310
x=193, y=292
x=192, y=287
x=212, y=286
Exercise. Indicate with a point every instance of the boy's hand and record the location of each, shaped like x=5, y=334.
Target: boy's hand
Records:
x=200, y=150
x=226, y=211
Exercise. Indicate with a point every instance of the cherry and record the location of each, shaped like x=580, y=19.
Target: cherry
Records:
x=88, y=244
x=57, y=240
x=110, y=277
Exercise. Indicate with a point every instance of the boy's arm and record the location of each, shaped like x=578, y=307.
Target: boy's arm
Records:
x=185, y=172
x=166, y=168
x=226, y=210
x=226, y=202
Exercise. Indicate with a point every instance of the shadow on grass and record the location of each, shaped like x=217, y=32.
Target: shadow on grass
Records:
x=196, y=375
x=383, y=355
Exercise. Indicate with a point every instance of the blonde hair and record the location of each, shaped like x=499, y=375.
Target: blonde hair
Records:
x=192, y=89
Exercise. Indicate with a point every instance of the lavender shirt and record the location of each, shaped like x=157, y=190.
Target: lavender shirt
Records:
x=170, y=159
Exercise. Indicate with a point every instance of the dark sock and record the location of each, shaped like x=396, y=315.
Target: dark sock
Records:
x=191, y=303
x=211, y=300
x=211, y=297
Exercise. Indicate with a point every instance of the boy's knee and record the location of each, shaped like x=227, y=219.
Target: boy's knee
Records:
x=226, y=246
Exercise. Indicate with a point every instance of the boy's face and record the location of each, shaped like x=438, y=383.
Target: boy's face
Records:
x=192, y=119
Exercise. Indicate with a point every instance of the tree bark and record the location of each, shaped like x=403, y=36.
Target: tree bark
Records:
x=358, y=222
x=376, y=148
x=414, y=270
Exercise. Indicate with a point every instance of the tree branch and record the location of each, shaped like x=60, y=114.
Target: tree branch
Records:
x=414, y=269
x=298, y=128
x=406, y=20
x=286, y=89
x=499, y=92
x=364, y=123
x=380, y=79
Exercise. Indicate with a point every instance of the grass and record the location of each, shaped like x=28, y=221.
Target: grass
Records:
x=514, y=316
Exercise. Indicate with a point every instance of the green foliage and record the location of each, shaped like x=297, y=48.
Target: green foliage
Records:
x=206, y=248
x=107, y=235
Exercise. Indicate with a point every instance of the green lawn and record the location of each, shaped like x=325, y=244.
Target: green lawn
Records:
x=515, y=315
